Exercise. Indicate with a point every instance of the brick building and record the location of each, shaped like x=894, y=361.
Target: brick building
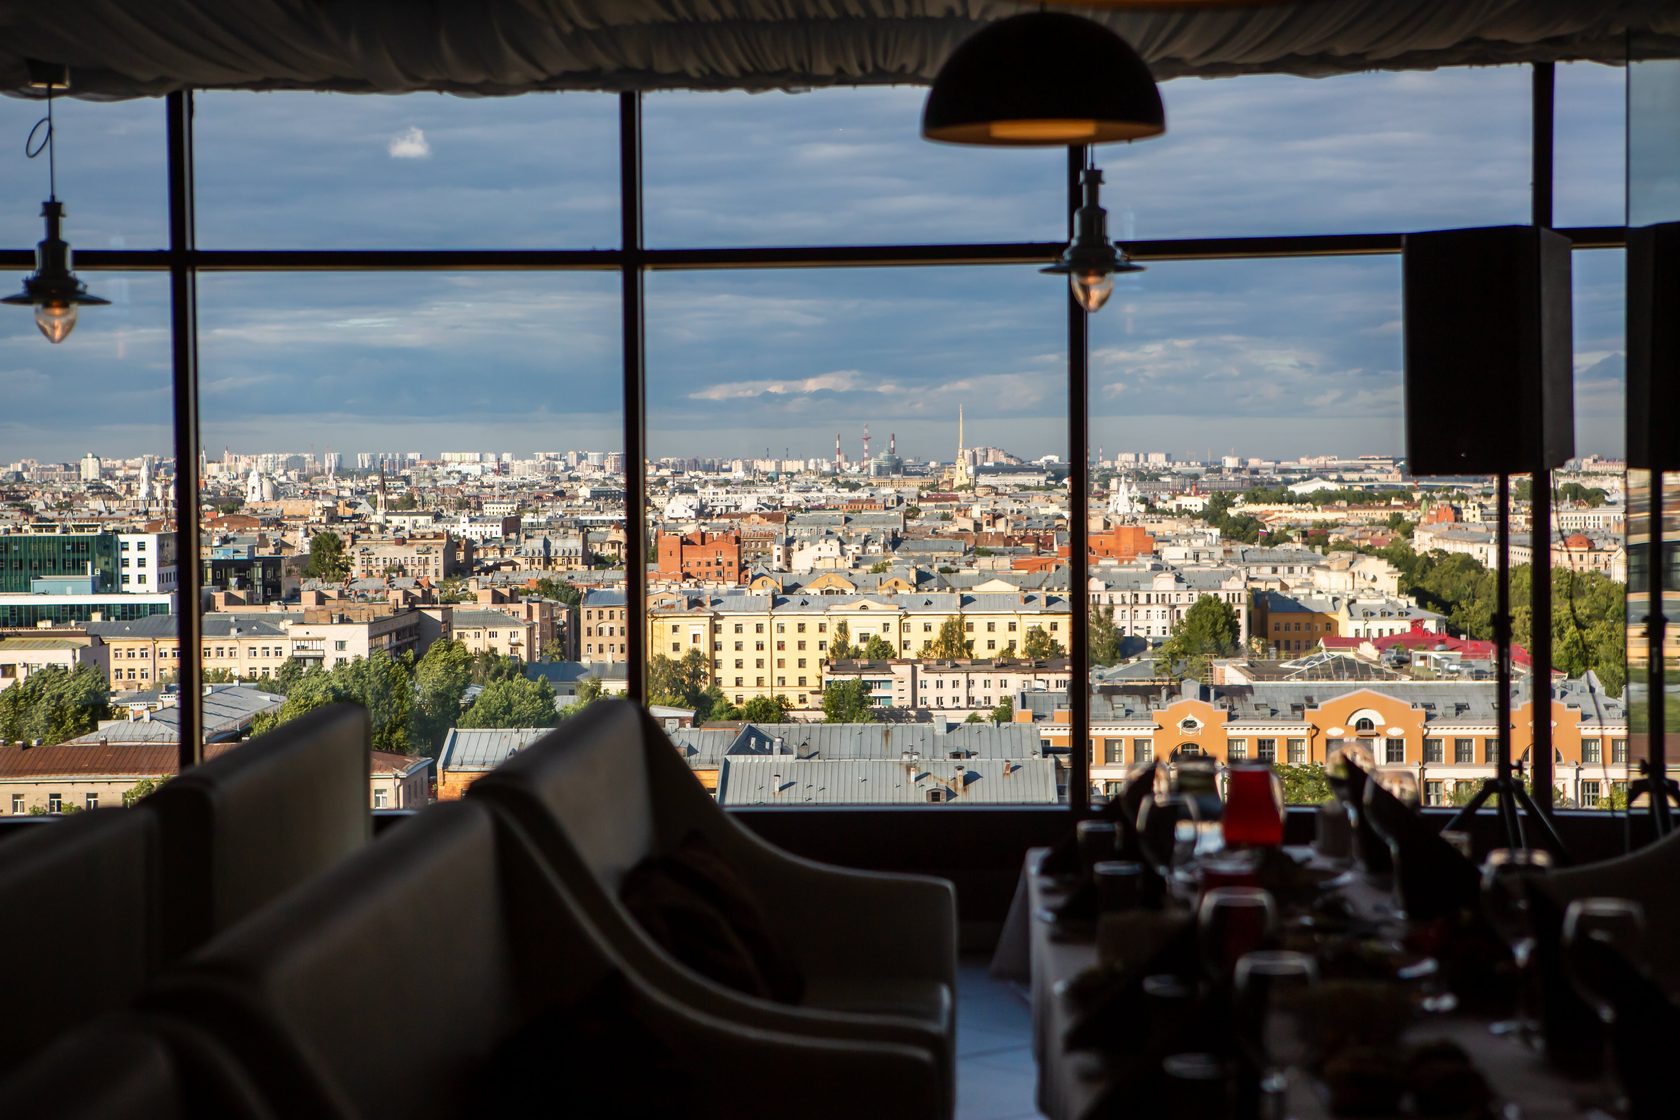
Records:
x=700, y=555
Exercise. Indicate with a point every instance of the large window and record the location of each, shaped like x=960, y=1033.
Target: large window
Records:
x=423, y=321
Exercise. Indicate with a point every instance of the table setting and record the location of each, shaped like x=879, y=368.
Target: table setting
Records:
x=1184, y=962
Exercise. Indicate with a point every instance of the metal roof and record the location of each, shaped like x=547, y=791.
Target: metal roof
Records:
x=484, y=748
x=790, y=781
x=8, y=645
x=887, y=741
x=228, y=710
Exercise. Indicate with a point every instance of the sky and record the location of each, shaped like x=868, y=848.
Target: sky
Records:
x=1268, y=358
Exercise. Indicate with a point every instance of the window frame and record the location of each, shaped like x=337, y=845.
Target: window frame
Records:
x=183, y=260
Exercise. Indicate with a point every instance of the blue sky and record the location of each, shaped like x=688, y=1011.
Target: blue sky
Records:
x=1263, y=358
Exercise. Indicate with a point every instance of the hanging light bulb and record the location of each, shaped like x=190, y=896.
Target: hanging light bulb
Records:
x=1091, y=261
x=52, y=289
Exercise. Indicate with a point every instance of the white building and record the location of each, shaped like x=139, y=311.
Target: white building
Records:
x=147, y=563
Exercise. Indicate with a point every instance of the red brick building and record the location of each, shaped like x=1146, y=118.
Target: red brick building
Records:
x=709, y=557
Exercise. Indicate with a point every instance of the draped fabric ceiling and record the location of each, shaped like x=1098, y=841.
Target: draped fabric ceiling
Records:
x=131, y=48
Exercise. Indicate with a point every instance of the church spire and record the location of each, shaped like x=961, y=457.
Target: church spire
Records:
x=960, y=476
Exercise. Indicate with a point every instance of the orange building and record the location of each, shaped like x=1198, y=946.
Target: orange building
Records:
x=1124, y=543
x=1445, y=733
x=708, y=557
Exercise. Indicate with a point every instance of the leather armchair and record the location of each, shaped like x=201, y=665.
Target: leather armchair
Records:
x=877, y=951
x=131, y=1067
x=80, y=932
x=389, y=985
x=251, y=823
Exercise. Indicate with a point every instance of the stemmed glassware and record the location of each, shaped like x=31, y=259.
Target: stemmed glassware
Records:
x=1231, y=922
x=1383, y=815
x=1167, y=833
x=1593, y=928
x=1275, y=1021
x=1505, y=900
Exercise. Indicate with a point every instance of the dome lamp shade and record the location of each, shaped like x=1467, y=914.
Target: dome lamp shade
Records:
x=1043, y=79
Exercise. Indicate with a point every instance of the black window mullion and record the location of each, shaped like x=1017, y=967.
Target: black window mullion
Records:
x=633, y=316
x=1079, y=499
x=183, y=330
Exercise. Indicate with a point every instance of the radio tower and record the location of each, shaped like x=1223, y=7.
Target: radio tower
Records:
x=839, y=456
x=892, y=445
x=866, y=445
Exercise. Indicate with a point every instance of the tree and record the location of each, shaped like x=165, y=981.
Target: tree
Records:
x=589, y=690
x=1304, y=783
x=513, y=702
x=840, y=649
x=1208, y=629
x=847, y=702
x=550, y=588
x=489, y=666
x=382, y=684
x=879, y=568
x=441, y=678
x=680, y=684
x=143, y=788
x=877, y=649
x=767, y=709
x=951, y=643
x=54, y=703
x=284, y=677
x=1004, y=712
x=1008, y=653
x=327, y=561
x=1038, y=645
x=1105, y=637
x=974, y=717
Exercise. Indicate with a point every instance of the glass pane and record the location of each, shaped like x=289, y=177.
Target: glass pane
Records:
x=1588, y=545
x=386, y=522
x=87, y=552
x=111, y=176
x=837, y=166
x=1653, y=138
x=912, y=582
x=1246, y=420
x=1589, y=154
x=1271, y=154
x=1653, y=183
x=417, y=171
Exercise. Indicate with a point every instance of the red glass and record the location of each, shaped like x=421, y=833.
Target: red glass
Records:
x=1254, y=806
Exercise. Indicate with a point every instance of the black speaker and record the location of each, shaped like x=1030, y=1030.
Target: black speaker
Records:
x=1653, y=346
x=1488, y=335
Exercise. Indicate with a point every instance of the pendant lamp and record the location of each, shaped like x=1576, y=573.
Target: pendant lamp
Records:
x=1043, y=79
x=1091, y=260
x=52, y=289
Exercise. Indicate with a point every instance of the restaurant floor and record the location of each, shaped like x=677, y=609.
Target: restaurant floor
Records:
x=995, y=1070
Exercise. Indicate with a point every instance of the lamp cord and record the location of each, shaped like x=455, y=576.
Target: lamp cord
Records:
x=33, y=146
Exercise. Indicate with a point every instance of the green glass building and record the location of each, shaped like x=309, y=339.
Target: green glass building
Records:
x=24, y=558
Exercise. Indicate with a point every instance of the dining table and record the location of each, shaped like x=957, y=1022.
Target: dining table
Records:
x=1075, y=1084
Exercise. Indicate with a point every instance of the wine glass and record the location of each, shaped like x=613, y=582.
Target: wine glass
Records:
x=1275, y=1022
x=1230, y=922
x=1389, y=801
x=1505, y=901
x=1159, y=836
x=1594, y=928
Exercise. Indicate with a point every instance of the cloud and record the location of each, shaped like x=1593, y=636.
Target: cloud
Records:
x=840, y=381
x=410, y=143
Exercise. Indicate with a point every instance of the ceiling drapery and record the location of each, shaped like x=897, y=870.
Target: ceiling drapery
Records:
x=129, y=48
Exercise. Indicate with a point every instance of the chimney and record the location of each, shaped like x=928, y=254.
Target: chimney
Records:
x=776, y=746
